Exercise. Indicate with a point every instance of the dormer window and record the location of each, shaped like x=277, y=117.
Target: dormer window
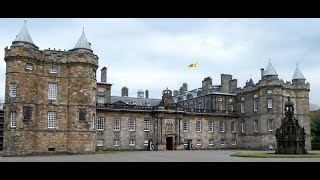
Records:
x=29, y=66
x=53, y=70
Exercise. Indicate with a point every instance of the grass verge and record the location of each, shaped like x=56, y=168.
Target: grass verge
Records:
x=273, y=155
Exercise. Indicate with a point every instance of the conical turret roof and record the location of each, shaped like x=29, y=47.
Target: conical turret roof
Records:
x=83, y=43
x=270, y=70
x=24, y=35
x=298, y=74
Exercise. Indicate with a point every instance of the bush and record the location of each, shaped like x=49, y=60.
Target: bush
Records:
x=315, y=146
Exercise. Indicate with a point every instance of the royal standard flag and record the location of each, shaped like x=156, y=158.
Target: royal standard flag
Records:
x=193, y=65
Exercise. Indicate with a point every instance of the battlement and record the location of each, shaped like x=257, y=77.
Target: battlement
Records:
x=50, y=55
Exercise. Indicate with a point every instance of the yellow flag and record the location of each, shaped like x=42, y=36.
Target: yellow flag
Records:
x=193, y=65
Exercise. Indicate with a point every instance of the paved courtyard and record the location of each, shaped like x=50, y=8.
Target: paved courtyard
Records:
x=155, y=156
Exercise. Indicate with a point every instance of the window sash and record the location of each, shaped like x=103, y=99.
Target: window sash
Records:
x=255, y=106
x=27, y=113
x=99, y=142
x=100, y=123
x=13, y=90
x=269, y=103
x=210, y=142
x=199, y=141
x=270, y=125
x=52, y=91
x=242, y=107
x=116, y=142
x=222, y=127
x=132, y=124
x=52, y=116
x=132, y=142
x=255, y=126
x=146, y=125
x=222, y=142
x=185, y=126
x=198, y=126
x=101, y=100
x=13, y=118
x=116, y=125
x=210, y=126
x=233, y=127
x=242, y=127
x=230, y=107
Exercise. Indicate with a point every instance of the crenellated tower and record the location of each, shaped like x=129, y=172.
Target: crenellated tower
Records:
x=49, y=98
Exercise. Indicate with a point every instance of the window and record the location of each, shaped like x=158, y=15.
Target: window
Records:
x=13, y=118
x=230, y=100
x=27, y=113
x=99, y=142
x=230, y=107
x=52, y=117
x=222, y=127
x=29, y=66
x=198, y=142
x=132, y=142
x=242, y=107
x=210, y=142
x=198, y=126
x=255, y=126
x=52, y=92
x=13, y=90
x=101, y=100
x=210, y=126
x=234, y=142
x=132, y=124
x=242, y=98
x=269, y=103
x=146, y=142
x=255, y=96
x=100, y=123
x=270, y=125
x=53, y=70
x=243, y=127
x=219, y=99
x=146, y=125
x=233, y=127
x=116, y=142
x=185, y=126
x=82, y=114
x=220, y=107
x=100, y=89
x=269, y=91
x=116, y=125
x=255, y=106
x=222, y=142
x=93, y=123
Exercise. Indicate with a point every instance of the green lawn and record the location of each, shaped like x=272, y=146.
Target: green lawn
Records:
x=257, y=154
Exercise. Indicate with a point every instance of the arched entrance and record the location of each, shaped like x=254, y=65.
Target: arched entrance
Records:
x=169, y=143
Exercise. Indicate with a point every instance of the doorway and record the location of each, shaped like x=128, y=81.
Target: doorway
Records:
x=169, y=143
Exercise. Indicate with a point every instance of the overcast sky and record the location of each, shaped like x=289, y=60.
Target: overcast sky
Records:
x=154, y=53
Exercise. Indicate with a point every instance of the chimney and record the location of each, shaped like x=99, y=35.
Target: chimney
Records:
x=147, y=93
x=124, y=92
x=104, y=74
x=262, y=71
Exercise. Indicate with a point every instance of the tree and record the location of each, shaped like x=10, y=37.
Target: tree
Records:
x=315, y=126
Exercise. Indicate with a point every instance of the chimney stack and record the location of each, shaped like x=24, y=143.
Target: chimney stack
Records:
x=147, y=93
x=104, y=74
x=124, y=92
x=262, y=71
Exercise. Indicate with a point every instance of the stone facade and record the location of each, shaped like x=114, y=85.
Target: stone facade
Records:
x=32, y=71
x=83, y=117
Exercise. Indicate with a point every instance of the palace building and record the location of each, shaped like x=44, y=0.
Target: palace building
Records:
x=54, y=104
